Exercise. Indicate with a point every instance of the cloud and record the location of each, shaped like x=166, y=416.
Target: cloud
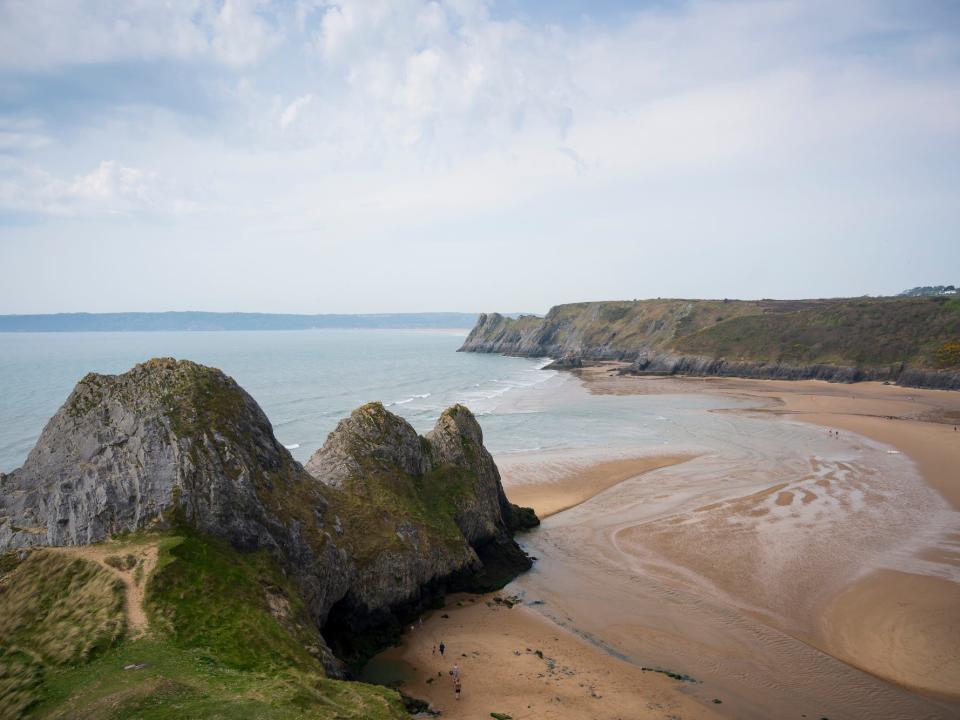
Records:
x=290, y=112
x=43, y=35
x=364, y=127
x=108, y=189
x=21, y=135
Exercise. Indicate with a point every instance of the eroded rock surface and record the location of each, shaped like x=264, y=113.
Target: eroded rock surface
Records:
x=379, y=524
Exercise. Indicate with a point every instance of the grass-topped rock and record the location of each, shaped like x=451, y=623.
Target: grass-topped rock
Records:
x=379, y=525
x=419, y=516
x=228, y=638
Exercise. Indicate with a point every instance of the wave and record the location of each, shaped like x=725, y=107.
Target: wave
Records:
x=292, y=447
x=421, y=396
x=522, y=450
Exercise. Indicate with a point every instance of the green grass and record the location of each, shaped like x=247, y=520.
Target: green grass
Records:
x=206, y=596
x=60, y=609
x=55, y=611
x=186, y=684
x=229, y=638
x=865, y=332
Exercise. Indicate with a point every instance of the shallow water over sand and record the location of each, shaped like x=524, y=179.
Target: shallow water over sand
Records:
x=720, y=567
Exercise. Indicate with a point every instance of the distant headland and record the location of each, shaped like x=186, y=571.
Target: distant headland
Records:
x=911, y=340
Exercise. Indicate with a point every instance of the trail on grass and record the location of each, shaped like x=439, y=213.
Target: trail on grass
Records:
x=134, y=577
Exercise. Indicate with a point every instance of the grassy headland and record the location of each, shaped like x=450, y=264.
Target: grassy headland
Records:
x=228, y=638
x=918, y=332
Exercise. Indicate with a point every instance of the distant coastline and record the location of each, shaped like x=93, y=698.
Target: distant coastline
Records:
x=910, y=341
x=219, y=321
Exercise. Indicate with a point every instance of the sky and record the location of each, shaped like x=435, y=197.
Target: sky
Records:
x=473, y=155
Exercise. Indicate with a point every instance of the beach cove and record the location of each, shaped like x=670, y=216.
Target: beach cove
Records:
x=766, y=562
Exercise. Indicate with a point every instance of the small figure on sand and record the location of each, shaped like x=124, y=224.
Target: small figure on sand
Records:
x=455, y=671
x=456, y=688
x=420, y=621
x=434, y=649
x=442, y=648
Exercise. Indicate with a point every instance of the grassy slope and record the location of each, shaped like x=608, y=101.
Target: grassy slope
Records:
x=855, y=331
x=629, y=324
x=867, y=332
x=229, y=639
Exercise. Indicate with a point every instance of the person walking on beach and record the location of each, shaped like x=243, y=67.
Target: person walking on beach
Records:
x=457, y=687
x=455, y=671
x=442, y=648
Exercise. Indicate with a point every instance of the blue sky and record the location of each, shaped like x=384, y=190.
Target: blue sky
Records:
x=369, y=156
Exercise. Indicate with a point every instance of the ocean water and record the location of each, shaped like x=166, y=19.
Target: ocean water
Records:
x=308, y=380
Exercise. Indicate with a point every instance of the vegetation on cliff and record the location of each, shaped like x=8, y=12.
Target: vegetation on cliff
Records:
x=865, y=333
x=265, y=572
x=228, y=638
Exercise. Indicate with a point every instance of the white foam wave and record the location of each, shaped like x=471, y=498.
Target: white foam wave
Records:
x=292, y=447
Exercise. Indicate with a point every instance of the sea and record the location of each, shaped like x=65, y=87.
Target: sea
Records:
x=307, y=380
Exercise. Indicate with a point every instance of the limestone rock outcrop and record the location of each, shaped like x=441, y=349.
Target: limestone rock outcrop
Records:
x=379, y=524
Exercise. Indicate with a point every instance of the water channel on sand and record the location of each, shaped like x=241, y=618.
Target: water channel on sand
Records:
x=720, y=567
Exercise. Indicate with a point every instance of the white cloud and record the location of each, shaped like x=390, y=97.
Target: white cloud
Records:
x=731, y=123
x=290, y=112
x=108, y=189
x=37, y=34
x=240, y=35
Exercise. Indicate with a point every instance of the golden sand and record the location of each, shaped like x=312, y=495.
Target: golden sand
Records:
x=680, y=572
x=579, y=485
x=901, y=626
x=513, y=661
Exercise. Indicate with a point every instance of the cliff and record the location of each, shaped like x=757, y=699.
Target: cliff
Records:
x=911, y=341
x=380, y=523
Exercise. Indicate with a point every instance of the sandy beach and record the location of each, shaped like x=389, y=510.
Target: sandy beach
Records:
x=900, y=625
x=515, y=662
x=790, y=572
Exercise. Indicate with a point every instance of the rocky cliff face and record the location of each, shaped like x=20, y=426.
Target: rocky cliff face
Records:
x=417, y=515
x=908, y=341
x=665, y=363
x=126, y=451
x=381, y=521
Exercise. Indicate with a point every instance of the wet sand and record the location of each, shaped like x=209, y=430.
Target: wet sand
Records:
x=791, y=573
x=899, y=617
x=562, y=484
x=902, y=624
